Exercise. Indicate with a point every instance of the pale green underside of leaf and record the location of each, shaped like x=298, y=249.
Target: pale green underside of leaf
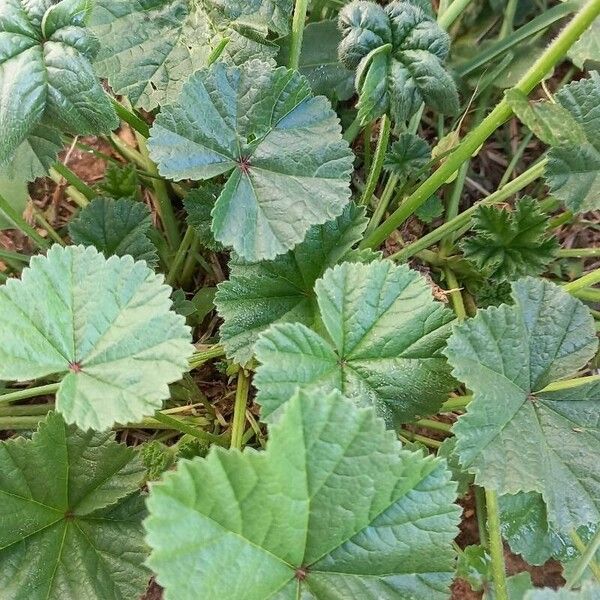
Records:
x=573, y=171
x=333, y=494
x=115, y=228
x=282, y=290
x=515, y=437
x=386, y=335
x=149, y=48
x=589, y=591
x=111, y=317
x=70, y=517
x=289, y=166
x=50, y=83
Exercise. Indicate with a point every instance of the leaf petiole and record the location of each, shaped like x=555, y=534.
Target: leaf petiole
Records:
x=239, y=410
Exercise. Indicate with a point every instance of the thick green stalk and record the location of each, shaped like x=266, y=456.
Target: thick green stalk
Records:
x=496, y=547
x=578, y=252
x=34, y=392
x=473, y=141
x=587, y=294
x=583, y=562
x=455, y=295
x=508, y=24
x=199, y=358
x=72, y=179
x=189, y=429
x=239, y=411
x=179, y=259
x=587, y=280
x=382, y=143
x=19, y=222
x=457, y=403
x=297, y=33
x=447, y=18
x=434, y=425
x=481, y=514
x=462, y=220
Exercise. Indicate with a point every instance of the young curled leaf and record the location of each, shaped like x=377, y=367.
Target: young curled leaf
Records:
x=399, y=53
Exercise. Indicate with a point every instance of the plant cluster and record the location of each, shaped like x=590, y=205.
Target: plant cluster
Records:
x=285, y=210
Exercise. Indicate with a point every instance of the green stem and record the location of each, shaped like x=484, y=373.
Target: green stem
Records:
x=189, y=429
x=72, y=179
x=179, y=259
x=458, y=403
x=581, y=548
x=434, y=425
x=199, y=358
x=474, y=140
x=383, y=203
x=447, y=18
x=17, y=256
x=239, y=410
x=496, y=547
x=19, y=222
x=515, y=160
x=453, y=206
x=578, y=252
x=587, y=280
x=297, y=32
x=463, y=218
x=455, y=295
x=34, y=392
x=353, y=130
x=481, y=514
x=43, y=222
x=190, y=262
x=568, y=384
x=509, y=19
x=70, y=191
x=385, y=128
x=131, y=118
x=587, y=294
x=584, y=561
x=415, y=437
x=128, y=152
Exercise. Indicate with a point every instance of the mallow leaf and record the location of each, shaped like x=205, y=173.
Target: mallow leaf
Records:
x=334, y=503
x=261, y=293
x=408, y=155
x=288, y=166
x=115, y=228
x=399, y=53
x=45, y=73
x=516, y=436
x=149, y=48
x=383, y=339
x=71, y=516
x=573, y=171
x=510, y=244
x=102, y=326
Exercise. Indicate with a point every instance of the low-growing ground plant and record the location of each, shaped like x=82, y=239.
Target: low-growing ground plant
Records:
x=320, y=320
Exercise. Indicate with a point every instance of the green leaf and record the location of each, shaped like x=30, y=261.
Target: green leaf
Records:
x=319, y=61
x=333, y=505
x=507, y=245
x=516, y=587
x=473, y=566
x=149, y=48
x=430, y=210
x=462, y=478
x=289, y=166
x=586, y=49
x=259, y=294
x=15, y=192
x=515, y=436
x=407, y=156
x=45, y=73
x=70, y=516
x=573, y=171
x=199, y=204
x=102, y=326
x=120, y=181
x=550, y=122
x=589, y=591
x=115, y=228
x=386, y=335
x=399, y=53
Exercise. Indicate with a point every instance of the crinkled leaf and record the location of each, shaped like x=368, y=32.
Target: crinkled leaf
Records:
x=586, y=49
x=384, y=348
x=333, y=504
x=149, y=48
x=289, y=166
x=115, y=228
x=515, y=436
x=319, y=61
x=104, y=327
x=45, y=73
x=199, y=204
x=399, y=52
x=549, y=121
x=589, y=591
x=70, y=516
x=407, y=155
x=507, y=245
x=573, y=171
x=259, y=294
x=120, y=181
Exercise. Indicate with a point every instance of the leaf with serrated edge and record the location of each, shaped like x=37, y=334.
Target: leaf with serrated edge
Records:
x=115, y=228
x=259, y=294
x=333, y=504
x=103, y=326
x=573, y=171
x=149, y=48
x=386, y=335
x=516, y=437
x=288, y=163
x=70, y=516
